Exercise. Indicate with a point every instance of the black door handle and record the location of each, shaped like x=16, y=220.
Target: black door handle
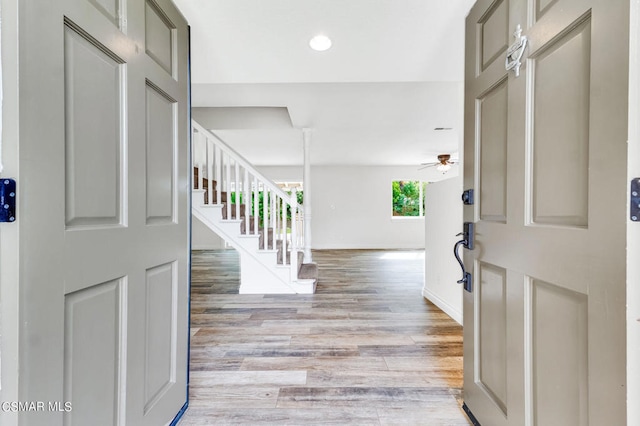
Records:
x=467, y=242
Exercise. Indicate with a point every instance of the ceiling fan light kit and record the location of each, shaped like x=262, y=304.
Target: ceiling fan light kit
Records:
x=444, y=168
x=442, y=165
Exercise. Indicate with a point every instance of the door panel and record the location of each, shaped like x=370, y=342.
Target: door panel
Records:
x=560, y=80
x=492, y=155
x=94, y=348
x=492, y=328
x=159, y=37
x=493, y=27
x=110, y=8
x=94, y=87
x=559, y=354
x=104, y=249
x=546, y=154
x=161, y=333
x=542, y=6
x=161, y=147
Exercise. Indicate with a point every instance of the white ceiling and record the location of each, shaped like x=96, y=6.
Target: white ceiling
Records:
x=393, y=74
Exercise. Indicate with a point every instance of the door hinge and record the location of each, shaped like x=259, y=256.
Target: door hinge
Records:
x=635, y=200
x=7, y=200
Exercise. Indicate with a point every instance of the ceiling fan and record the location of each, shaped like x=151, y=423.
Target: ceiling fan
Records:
x=443, y=164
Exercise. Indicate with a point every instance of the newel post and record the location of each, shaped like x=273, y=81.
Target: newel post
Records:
x=306, y=177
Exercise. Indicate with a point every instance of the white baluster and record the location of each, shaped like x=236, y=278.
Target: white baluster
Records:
x=246, y=198
x=273, y=216
x=228, y=185
x=284, y=231
x=218, y=153
x=202, y=157
x=210, y=148
x=306, y=133
x=300, y=228
x=194, y=182
x=237, y=189
x=276, y=219
x=256, y=200
x=265, y=217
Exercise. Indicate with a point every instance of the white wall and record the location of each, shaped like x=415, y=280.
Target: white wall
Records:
x=203, y=238
x=352, y=206
x=443, y=220
x=282, y=173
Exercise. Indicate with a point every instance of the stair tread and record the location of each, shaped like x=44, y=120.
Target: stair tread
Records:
x=254, y=236
x=267, y=250
x=308, y=271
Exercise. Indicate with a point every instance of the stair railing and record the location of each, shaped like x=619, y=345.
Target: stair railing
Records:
x=222, y=172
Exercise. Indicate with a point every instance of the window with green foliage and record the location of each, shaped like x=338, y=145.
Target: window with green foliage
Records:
x=408, y=198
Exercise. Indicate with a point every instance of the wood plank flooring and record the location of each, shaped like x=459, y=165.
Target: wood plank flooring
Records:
x=366, y=349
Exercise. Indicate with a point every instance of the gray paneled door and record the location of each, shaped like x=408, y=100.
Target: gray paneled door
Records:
x=546, y=154
x=104, y=245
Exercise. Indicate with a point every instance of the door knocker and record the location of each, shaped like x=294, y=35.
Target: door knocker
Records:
x=515, y=52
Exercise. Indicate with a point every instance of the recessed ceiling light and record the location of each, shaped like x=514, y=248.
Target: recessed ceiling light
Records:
x=320, y=43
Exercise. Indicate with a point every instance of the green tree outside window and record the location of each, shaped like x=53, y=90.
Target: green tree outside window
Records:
x=408, y=198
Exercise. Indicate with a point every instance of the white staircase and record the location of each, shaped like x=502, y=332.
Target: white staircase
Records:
x=256, y=217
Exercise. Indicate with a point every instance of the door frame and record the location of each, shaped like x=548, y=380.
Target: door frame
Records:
x=633, y=228
x=185, y=407
x=9, y=232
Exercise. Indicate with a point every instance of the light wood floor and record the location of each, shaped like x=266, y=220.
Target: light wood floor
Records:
x=366, y=349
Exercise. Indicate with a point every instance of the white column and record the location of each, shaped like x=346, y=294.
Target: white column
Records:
x=294, y=235
x=306, y=176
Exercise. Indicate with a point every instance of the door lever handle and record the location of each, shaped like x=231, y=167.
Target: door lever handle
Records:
x=466, y=277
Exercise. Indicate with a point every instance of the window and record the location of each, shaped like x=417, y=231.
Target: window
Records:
x=408, y=198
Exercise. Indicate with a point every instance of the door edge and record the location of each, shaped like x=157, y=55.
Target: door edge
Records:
x=469, y=414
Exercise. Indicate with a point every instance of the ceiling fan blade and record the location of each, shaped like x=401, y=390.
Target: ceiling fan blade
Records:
x=427, y=165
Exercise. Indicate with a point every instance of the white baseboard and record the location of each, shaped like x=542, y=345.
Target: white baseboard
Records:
x=454, y=313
